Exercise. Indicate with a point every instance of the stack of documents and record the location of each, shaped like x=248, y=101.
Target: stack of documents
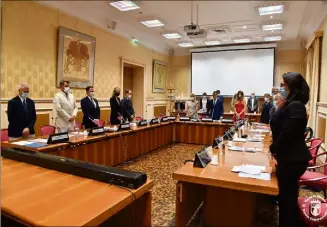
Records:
x=251, y=171
x=29, y=143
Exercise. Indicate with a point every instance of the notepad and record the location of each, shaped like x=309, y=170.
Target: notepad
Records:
x=39, y=140
x=22, y=143
x=249, y=169
x=233, y=148
x=35, y=145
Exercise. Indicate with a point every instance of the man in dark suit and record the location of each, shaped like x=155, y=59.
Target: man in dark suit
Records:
x=266, y=106
x=216, y=107
x=220, y=96
x=91, y=109
x=252, y=103
x=21, y=115
x=127, y=106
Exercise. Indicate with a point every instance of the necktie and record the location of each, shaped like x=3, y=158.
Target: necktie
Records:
x=25, y=106
x=94, y=104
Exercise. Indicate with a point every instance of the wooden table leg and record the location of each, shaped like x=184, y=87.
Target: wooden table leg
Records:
x=188, y=199
x=226, y=207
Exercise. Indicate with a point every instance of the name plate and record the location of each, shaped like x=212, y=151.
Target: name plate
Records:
x=184, y=119
x=143, y=123
x=227, y=120
x=58, y=138
x=164, y=119
x=206, y=119
x=171, y=118
x=124, y=126
x=96, y=131
x=154, y=121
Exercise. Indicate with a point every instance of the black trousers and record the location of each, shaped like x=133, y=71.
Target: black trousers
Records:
x=288, y=174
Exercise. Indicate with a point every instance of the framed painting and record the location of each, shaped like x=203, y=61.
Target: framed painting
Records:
x=159, y=76
x=75, y=58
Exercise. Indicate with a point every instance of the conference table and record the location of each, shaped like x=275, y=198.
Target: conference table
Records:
x=226, y=199
x=36, y=196
x=113, y=148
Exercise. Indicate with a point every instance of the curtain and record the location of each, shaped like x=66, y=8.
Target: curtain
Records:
x=314, y=84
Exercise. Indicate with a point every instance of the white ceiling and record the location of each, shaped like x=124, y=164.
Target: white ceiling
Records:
x=300, y=19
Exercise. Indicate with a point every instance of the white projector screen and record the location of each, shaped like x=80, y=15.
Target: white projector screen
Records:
x=249, y=70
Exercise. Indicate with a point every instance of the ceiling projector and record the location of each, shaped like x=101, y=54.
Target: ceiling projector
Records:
x=191, y=28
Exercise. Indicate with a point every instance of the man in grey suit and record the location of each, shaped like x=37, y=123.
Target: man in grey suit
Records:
x=252, y=103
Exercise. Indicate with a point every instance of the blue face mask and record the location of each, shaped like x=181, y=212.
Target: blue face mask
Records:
x=275, y=104
x=283, y=92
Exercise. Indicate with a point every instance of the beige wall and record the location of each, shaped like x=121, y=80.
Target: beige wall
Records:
x=285, y=61
x=323, y=75
x=29, y=51
x=29, y=54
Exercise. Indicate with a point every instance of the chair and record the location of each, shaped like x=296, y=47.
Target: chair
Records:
x=308, y=131
x=4, y=135
x=101, y=123
x=47, y=130
x=314, y=148
x=314, y=179
x=138, y=118
x=78, y=125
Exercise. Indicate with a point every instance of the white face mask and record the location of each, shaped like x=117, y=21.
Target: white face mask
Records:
x=129, y=96
x=266, y=99
x=66, y=89
x=25, y=95
x=192, y=98
x=92, y=94
x=204, y=97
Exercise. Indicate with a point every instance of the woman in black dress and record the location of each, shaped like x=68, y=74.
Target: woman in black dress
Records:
x=115, y=115
x=289, y=149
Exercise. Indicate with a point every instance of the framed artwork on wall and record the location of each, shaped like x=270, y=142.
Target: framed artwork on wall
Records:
x=75, y=58
x=159, y=76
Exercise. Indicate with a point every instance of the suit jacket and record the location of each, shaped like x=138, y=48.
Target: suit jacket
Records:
x=90, y=111
x=217, y=110
x=265, y=114
x=115, y=110
x=288, y=125
x=255, y=105
x=221, y=98
x=127, y=109
x=18, y=118
x=65, y=107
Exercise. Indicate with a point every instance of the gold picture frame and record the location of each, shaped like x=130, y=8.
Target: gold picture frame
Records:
x=76, y=53
x=159, y=76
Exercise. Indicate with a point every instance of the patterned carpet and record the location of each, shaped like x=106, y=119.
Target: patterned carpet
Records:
x=159, y=166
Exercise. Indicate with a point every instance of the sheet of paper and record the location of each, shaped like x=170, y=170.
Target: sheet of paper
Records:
x=253, y=170
x=261, y=176
x=22, y=143
x=253, y=149
x=236, y=169
x=39, y=140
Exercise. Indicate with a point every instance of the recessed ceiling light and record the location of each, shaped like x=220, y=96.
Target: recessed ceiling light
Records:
x=246, y=40
x=171, y=35
x=124, y=5
x=153, y=23
x=269, y=27
x=185, y=44
x=271, y=10
x=212, y=42
x=273, y=38
x=244, y=27
x=271, y=17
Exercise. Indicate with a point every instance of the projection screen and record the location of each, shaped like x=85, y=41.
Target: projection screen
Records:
x=249, y=70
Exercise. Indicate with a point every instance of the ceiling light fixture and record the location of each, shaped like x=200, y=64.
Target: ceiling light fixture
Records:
x=124, y=5
x=245, y=40
x=267, y=10
x=185, y=44
x=270, y=27
x=152, y=23
x=244, y=27
x=171, y=35
x=212, y=42
x=272, y=38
